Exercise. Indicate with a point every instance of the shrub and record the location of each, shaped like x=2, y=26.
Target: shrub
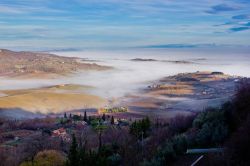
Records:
x=47, y=158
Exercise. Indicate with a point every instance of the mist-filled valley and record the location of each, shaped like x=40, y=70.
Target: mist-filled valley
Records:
x=129, y=75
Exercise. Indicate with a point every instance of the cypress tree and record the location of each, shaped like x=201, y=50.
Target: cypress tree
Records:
x=85, y=118
x=103, y=117
x=73, y=154
x=112, y=120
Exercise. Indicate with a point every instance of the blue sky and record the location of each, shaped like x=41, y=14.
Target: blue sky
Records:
x=123, y=23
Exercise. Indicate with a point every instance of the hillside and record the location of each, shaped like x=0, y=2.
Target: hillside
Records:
x=53, y=99
x=35, y=64
x=183, y=93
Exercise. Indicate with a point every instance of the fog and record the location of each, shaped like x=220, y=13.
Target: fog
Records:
x=129, y=76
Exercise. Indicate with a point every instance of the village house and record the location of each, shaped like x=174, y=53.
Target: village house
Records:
x=61, y=132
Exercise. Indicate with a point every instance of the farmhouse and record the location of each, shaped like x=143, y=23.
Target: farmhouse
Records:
x=61, y=132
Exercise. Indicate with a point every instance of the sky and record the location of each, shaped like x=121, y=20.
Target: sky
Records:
x=74, y=24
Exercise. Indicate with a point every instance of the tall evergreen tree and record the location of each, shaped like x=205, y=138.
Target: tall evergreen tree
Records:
x=82, y=156
x=89, y=119
x=112, y=120
x=85, y=118
x=103, y=117
x=73, y=153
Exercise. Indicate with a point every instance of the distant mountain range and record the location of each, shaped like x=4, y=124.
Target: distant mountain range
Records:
x=208, y=45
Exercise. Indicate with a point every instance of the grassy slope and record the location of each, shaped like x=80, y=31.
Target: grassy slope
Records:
x=52, y=99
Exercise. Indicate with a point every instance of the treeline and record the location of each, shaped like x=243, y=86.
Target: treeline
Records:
x=106, y=155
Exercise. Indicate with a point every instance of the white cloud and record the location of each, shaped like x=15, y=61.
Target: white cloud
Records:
x=21, y=9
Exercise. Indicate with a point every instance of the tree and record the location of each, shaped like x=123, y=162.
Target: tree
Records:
x=145, y=124
x=112, y=120
x=85, y=117
x=238, y=146
x=133, y=130
x=212, y=127
x=73, y=153
x=100, y=128
x=180, y=144
x=82, y=156
x=169, y=151
x=89, y=119
x=103, y=117
x=139, y=127
x=242, y=100
x=65, y=115
x=3, y=156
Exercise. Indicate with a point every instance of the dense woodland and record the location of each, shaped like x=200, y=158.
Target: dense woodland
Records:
x=146, y=142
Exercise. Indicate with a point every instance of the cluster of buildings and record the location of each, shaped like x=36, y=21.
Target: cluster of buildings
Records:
x=61, y=132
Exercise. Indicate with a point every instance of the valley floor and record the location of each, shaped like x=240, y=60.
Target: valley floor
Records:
x=184, y=94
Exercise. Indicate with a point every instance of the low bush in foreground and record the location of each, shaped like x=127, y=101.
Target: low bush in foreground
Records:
x=47, y=158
